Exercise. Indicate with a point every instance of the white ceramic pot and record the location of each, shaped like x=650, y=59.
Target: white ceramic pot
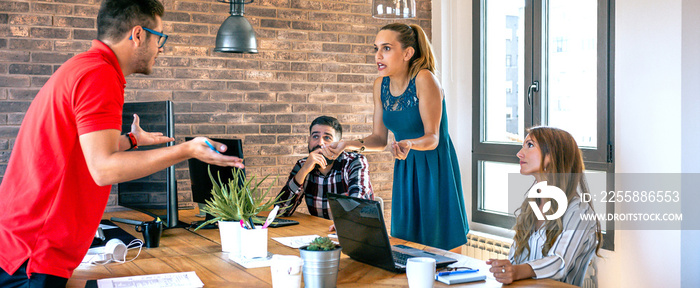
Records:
x=231, y=237
x=254, y=242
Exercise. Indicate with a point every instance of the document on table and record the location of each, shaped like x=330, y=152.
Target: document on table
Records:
x=296, y=241
x=168, y=280
x=253, y=262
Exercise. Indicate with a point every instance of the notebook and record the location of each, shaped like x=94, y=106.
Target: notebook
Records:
x=461, y=278
x=362, y=234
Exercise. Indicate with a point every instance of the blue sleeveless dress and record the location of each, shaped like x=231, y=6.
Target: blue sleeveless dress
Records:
x=427, y=204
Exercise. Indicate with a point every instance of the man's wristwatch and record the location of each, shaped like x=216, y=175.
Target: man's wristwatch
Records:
x=132, y=140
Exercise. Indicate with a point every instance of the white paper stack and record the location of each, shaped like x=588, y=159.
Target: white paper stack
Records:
x=167, y=280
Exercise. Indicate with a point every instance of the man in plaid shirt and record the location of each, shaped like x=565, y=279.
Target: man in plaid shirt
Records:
x=317, y=175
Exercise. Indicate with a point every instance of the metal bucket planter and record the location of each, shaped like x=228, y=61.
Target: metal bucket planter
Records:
x=320, y=267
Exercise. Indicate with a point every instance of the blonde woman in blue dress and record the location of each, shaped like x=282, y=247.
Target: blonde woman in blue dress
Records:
x=427, y=201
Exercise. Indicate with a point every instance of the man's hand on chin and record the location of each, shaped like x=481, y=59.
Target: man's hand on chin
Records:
x=316, y=158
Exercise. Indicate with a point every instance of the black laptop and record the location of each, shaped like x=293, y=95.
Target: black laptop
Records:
x=362, y=234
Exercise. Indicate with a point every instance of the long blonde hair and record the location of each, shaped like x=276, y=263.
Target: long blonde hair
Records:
x=414, y=36
x=564, y=170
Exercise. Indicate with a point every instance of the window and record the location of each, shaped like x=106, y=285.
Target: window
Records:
x=558, y=57
x=561, y=44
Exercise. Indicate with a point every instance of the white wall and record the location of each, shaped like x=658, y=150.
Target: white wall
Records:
x=648, y=65
x=647, y=132
x=453, y=49
x=690, y=162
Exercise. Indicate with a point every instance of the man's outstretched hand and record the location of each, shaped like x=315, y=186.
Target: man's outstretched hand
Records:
x=144, y=138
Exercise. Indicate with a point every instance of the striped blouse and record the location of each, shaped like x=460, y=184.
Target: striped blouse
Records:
x=349, y=176
x=569, y=257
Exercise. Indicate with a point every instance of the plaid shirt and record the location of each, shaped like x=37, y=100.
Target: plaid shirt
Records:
x=349, y=176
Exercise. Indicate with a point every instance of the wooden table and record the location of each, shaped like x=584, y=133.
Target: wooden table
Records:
x=182, y=250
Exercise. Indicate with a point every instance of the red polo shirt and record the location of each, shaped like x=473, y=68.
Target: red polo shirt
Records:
x=50, y=204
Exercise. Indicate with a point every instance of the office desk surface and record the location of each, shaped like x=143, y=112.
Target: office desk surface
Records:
x=182, y=250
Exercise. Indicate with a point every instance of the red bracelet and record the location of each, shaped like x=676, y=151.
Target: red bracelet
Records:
x=132, y=140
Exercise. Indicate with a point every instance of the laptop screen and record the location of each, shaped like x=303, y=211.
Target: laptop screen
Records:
x=359, y=224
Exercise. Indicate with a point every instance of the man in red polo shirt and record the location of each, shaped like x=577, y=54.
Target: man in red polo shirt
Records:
x=69, y=149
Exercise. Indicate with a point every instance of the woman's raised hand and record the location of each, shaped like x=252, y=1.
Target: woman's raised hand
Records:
x=400, y=149
x=333, y=150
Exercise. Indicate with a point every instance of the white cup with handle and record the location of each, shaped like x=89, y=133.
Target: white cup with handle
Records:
x=420, y=272
x=286, y=271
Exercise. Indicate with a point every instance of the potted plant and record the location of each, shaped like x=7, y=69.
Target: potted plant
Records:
x=321, y=258
x=239, y=199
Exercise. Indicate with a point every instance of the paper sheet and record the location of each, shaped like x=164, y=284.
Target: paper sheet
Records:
x=168, y=280
x=253, y=262
x=296, y=241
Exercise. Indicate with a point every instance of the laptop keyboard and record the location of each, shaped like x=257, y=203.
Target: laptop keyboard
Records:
x=400, y=258
x=278, y=222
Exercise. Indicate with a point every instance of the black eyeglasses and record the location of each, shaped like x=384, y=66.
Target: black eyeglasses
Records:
x=455, y=269
x=161, y=40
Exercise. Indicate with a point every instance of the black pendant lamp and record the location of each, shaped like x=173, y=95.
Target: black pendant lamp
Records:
x=394, y=9
x=236, y=35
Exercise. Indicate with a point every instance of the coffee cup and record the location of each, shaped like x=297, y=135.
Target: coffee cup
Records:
x=420, y=272
x=151, y=233
x=286, y=271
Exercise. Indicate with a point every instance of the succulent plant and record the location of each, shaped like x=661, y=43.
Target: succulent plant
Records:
x=321, y=244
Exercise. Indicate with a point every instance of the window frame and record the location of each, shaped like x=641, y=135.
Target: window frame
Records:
x=599, y=159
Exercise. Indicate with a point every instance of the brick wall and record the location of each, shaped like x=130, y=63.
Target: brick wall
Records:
x=315, y=58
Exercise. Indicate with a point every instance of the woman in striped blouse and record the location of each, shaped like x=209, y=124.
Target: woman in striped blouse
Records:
x=560, y=248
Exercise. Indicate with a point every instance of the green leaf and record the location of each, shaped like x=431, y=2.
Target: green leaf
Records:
x=239, y=198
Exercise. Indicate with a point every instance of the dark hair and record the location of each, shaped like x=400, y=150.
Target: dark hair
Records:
x=116, y=17
x=414, y=36
x=330, y=122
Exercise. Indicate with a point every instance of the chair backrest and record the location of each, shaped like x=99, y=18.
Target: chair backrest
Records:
x=381, y=202
x=589, y=257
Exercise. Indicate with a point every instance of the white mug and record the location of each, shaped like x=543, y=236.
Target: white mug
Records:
x=420, y=272
x=286, y=271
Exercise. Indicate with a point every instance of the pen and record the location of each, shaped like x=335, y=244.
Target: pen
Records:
x=458, y=272
x=211, y=146
x=252, y=224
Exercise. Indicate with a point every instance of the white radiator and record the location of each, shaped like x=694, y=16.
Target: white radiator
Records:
x=589, y=283
x=484, y=247
x=591, y=279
